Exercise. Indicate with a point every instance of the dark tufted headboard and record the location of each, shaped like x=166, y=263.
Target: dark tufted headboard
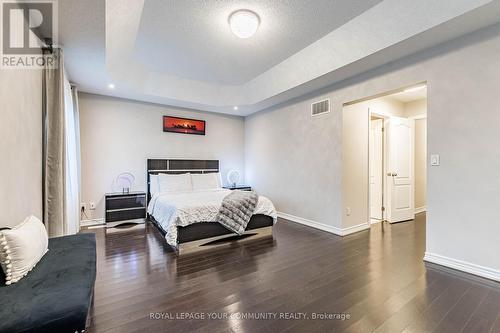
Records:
x=175, y=166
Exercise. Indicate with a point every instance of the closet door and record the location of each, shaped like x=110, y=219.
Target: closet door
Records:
x=400, y=169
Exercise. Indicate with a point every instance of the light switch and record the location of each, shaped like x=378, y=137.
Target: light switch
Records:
x=435, y=159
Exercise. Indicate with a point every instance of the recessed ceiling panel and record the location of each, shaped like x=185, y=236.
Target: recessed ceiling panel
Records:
x=192, y=39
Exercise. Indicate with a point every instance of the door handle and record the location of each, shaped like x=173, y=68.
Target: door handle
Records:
x=392, y=174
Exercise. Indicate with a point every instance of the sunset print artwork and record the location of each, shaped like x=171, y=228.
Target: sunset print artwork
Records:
x=183, y=125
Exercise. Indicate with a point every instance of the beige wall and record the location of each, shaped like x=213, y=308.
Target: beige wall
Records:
x=118, y=135
x=355, y=148
x=385, y=106
x=355, y=182
x=20, y=145
x=420, y=163
x=418, y=109
x=296, y=159
x=415, y=108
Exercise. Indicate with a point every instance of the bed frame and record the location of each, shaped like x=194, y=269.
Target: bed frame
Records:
x=204, y=236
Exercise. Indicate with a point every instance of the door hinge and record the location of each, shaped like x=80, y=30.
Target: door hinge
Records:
x=383, y=208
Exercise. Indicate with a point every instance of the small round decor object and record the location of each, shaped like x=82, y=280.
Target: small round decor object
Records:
x=233, y=177
x=123, y=183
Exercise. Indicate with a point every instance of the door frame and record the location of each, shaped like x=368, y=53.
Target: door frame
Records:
x=385, y=119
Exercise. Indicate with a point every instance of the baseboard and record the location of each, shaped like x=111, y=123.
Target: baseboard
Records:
x=467, y=267
x=88, y=223
x=310, y=223
x=324, y=227
x=420, y=209
x=356, y=228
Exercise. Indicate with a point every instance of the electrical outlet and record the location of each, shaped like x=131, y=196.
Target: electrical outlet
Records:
x=348, y=211
x=435, y=159
x=92, y=205
x=83, y=206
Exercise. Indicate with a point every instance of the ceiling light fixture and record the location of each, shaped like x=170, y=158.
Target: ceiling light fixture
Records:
x=235, y=108
x=244, y=23
x=417, y=88
x=111, y=86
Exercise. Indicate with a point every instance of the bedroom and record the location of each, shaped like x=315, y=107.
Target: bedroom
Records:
x=269, y=116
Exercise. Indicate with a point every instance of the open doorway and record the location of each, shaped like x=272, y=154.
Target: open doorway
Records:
x=393, y=157
x=397, y=155
x=376, y=167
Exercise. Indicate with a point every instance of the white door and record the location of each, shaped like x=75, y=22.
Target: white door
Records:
x=400, y=169
x=376, y=165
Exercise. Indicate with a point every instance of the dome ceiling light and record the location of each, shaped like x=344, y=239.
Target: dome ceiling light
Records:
x=244, y=23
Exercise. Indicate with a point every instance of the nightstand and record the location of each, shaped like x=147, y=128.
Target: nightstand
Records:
x=239, y=187
x=125, y=208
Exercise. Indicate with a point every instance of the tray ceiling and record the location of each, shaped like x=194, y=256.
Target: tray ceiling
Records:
x=182, y=53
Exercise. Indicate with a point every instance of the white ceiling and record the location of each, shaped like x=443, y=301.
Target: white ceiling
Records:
x=410, y=96
x=192, y=39
x=182, y=53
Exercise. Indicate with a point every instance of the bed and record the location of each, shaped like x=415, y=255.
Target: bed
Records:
x=185, y=217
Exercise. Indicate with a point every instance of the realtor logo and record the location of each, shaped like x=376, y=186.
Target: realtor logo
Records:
x=28, y=28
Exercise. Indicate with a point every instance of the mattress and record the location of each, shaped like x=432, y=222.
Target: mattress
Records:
x=174, y=209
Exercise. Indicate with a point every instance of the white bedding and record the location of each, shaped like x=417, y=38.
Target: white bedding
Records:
x=172, y=209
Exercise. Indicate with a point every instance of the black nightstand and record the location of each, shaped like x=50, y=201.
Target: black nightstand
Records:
x=239, y=187
x=125, y=208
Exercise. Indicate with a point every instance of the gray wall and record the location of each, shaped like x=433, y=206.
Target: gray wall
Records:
x=296, y=159
x=20, y=145
x=291, y=157
x=118, y=135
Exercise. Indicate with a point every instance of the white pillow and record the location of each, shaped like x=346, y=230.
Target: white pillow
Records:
x=207, y=181
x=154, y=184
x=21, y=248
x=174, y=183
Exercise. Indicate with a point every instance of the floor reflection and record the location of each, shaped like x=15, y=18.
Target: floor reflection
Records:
x=239, y=255
x=376, y=276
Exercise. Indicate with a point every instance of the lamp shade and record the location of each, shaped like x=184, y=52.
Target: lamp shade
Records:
x=233, y=177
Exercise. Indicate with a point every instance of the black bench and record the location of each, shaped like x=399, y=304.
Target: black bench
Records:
x=56, y=295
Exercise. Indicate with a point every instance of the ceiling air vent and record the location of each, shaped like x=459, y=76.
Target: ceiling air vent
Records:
x=320, y=107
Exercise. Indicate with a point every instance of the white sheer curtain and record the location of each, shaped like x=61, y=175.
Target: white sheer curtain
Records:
x=72, y=159
x=61, y=151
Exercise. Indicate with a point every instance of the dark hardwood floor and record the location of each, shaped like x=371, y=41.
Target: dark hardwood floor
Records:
x=375, y=277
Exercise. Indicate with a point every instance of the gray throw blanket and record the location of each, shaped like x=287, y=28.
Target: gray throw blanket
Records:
x=236, y=210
